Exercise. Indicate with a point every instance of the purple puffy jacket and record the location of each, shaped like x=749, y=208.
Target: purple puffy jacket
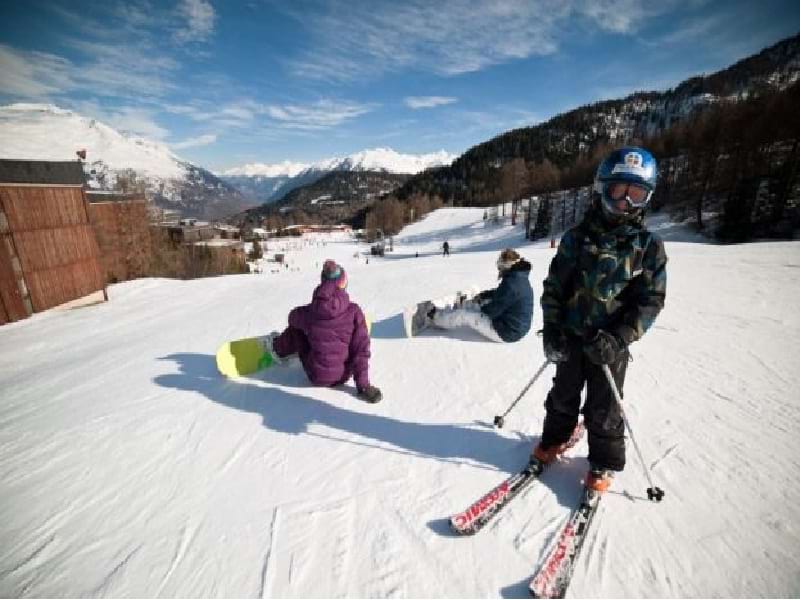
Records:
x=338, y=340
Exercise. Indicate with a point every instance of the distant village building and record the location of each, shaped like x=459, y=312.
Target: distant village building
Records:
x=297, y=230
x=259, y=233
x=49, y=254
x=227, y=232
x=163, y=215
x=185, y=234
x=226, y=251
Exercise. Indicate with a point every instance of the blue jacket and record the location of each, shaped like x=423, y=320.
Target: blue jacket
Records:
x=511, y=304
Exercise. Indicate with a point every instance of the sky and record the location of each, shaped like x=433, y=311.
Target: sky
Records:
x=235, y=82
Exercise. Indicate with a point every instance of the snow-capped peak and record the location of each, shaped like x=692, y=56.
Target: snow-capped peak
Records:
x=386, y=159
x=377, y=159
x=47, y=132
x=283, y=169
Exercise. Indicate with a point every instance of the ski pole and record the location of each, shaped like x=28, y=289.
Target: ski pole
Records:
x=653, y=492
x=500, y=419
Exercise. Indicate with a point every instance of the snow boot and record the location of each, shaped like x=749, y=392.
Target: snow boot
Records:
x=282, y=361
x=599, y=480
x=423, y=318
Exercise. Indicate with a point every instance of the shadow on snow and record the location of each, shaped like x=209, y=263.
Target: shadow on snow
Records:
x=293, y=413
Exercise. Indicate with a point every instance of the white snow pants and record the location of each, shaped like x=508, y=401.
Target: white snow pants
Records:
x=467, y=316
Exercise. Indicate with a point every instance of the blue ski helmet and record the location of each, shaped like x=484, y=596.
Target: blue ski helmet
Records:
x=625, y=182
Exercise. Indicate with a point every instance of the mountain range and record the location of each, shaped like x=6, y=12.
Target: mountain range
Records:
x=270, y=182
x=122, y=161
x=118, y=160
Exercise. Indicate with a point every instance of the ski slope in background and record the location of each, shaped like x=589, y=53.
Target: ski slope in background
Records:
x=130, y=468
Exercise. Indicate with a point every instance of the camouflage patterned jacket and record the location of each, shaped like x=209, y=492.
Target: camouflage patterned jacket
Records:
x=601, y=278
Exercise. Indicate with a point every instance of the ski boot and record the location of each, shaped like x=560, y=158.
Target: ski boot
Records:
x=549, y=455
x=546, y=456
x=598, y=479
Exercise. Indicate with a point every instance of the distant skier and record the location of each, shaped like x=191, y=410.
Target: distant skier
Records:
x=330, y=336
x=605, y=287
x=446, y=249
x=502, y=314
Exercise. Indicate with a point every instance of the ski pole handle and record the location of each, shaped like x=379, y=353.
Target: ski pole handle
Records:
x=653, y=492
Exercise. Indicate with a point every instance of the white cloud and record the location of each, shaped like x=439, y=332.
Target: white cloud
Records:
x=245, y=113
x=323, y=114
x=180, y=109
x=124, y=69
x=416, y=102
x=451, y=37
x=199, y=16
x=139, y=121
x=201, y=140
x=110, y=69
x=33, y=75
x=693, y=31
x=131, y=119
x=618, y=16
x=137, y=14
x=237, y=113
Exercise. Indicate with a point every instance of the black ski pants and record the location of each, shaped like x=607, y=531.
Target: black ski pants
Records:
x=601, y=414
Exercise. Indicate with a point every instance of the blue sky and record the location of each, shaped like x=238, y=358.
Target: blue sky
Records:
x=226, y=82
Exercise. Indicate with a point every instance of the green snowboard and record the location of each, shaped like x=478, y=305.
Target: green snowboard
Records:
x=245, y=356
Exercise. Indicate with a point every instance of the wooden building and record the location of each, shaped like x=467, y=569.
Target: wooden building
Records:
x=122, y=228
x=48, y=250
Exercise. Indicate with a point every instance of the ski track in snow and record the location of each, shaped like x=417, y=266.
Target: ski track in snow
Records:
x=130, y=468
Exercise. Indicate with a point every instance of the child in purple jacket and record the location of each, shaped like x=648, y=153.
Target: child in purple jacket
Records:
x=330, y=336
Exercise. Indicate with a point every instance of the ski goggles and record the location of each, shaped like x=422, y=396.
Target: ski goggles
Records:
x=634, y=195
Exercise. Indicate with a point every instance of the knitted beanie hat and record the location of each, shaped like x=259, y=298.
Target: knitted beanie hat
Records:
x=507, y=259
x=333, y=272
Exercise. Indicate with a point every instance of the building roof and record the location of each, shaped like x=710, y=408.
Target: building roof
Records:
x=217, y=243
x=97, y=196
x=68, y=172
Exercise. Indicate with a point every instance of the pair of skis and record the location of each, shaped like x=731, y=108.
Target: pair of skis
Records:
x=554, y=574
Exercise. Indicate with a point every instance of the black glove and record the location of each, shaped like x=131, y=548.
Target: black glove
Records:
x=555, y=344
x=605, y=348
x=370, y=394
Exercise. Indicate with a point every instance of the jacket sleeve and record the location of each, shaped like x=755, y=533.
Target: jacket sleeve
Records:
x=502, y=298
x=298, y=318
x=485, y=295
x=646, y=294
x=559, y=280
x=358, y=353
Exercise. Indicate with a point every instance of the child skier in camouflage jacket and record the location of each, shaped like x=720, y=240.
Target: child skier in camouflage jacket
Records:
x=605, y=287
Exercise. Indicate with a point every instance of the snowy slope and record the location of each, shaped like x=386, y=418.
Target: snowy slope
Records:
x=129, y=468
